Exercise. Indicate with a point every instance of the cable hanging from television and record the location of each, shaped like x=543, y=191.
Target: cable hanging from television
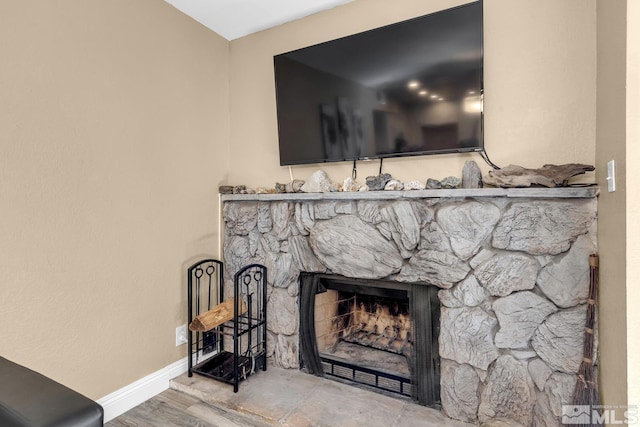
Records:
x=485, y=157
x=354, y=171
x=380, y=170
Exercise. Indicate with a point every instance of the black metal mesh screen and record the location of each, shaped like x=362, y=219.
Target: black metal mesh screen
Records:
x=424, y=361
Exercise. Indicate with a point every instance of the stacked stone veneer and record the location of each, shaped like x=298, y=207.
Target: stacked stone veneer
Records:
x=513, y=274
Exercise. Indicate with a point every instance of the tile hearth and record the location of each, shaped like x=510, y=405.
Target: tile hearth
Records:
x=291, y=398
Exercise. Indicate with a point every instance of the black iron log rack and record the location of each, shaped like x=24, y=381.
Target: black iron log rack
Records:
x=234, y=350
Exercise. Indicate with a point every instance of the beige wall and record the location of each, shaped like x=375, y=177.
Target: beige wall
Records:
x=540, y=71
x=611, y=208
x=116, y=132
x=633, y=201
x=111, y=114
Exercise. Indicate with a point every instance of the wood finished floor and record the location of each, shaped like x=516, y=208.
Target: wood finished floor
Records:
x=173, y=408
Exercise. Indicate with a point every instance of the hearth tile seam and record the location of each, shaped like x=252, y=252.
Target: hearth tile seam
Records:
x=283, y=419
x=399, y=418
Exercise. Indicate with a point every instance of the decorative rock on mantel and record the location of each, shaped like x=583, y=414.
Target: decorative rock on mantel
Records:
x=451, y=182
x=377, y=183
x=318, y=182
x=433, y=184
x=471, y=175
x=510, y=264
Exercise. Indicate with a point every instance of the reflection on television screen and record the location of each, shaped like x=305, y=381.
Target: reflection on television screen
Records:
x=410, y=88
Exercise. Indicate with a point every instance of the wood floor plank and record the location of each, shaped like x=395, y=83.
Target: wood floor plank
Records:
x=177, y=399
x=117, y=422
x=172, y=408
x=161, y=411
x=222, y=417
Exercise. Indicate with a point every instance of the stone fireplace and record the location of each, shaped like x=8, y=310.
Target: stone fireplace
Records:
x=511, y=267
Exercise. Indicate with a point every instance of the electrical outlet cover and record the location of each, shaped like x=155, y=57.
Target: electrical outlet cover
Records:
x=181, y=335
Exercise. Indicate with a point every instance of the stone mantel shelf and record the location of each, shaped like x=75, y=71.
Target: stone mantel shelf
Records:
x=538, y=193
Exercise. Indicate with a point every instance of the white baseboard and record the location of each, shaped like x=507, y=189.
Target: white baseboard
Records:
x=130, y=396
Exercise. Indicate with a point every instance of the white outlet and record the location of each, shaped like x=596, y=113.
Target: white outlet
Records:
x=181, y=335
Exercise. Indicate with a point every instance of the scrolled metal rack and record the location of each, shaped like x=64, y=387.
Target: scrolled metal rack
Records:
x=248, y=330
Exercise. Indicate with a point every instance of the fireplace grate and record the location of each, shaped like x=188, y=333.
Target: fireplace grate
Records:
x=366, y=376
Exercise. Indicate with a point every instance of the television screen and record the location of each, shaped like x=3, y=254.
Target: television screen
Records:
x=410, y=88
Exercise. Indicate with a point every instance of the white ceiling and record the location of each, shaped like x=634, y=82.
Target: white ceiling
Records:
x=237, y=18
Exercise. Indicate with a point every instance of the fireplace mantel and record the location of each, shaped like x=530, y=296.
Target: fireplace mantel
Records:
x=538, y=193
x=511, y=265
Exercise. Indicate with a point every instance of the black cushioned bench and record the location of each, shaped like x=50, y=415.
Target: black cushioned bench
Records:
x=29, y=399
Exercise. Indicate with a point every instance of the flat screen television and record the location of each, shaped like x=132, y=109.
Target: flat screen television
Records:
x=410, y=88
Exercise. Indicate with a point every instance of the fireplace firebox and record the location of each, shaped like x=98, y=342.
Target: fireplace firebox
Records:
x=374, y=333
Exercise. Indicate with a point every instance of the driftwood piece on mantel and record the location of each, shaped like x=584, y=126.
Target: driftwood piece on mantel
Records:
x=547, y=176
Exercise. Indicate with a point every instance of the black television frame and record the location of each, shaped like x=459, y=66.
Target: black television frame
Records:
x=476, y=147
